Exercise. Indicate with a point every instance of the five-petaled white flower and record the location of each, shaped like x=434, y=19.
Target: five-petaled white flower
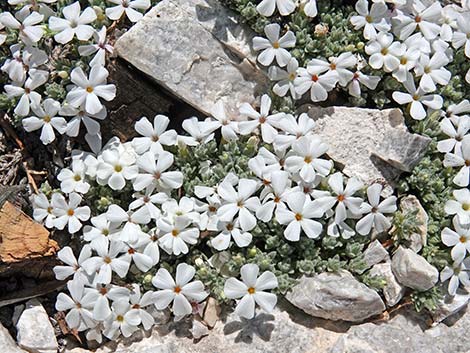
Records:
x=69, y=213
x=30, y=29
x=251, y=290
x=458, y=273
x=179, y=291
x=153, y=136
x=274, y=47
x=384, y=52
x=460, y=159
x=460, y=206
x=458, y=239
x=267, y=7
x=100, y=48
x=74, y=23
x=373, y=21
x=129, y=7
x=89, y=90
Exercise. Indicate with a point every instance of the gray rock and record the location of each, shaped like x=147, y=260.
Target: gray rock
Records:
x=393, y=291
x=336, y=296
x=34, y=330
x=7, y=343
x=416, y=240
x=413, y=271
x=356, y=141
x=375, y=253
x=450, y=306
x=196, y=50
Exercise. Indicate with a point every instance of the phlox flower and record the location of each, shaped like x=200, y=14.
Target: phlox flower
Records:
x=319, y=85
x=456, y=134
x=99, y=229
x=129, y=7
x=69, y=213
x=422, y=16
x=155, y=136
x=298, y=216
x=115, y=167
x=176, y=234
x=101, y=295
x=74, y=23
x=28, y=24
x=239, y=202
x=373, y=20
x=458, y=239
x=24, y=59
x=457, y=274
x=228, y=231
x=432, y=71
x=72, y=266
x=460, y=205
x=89, y=90
x=251, y=290
x=179, y=291
x=285, y=78
x=73, y=179
x=460, y=159
x=99, y=49
x=139, y=301
x=131, y=231
x=384, y=52
x=375, y=211
x=262, y=119
x=354, y=87
x=280, y=188
x=294, y=128
x=122, y=320
x=154, y=172
x=43, y=210
x=229, y=127
x=274, y=47
x=267, y=7
x=304, y=158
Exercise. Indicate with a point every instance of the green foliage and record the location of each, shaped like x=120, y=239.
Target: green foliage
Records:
x=426, y=300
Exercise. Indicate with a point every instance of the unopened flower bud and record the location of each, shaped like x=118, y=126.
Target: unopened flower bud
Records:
x=63, y=74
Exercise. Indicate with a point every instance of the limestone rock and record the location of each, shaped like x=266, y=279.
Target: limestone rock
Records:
x=196, y=50
x=451, y=305
x=413, y=271
x=416, y=240
x=356, y=141
x=375, y=253
x=7, y=343
x=393, y=291
x=336, y=296
x=35, y=331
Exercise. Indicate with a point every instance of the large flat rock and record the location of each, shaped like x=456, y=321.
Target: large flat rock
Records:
x=197, y=51
x=370, y=144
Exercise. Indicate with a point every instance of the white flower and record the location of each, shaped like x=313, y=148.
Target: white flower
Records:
x=88, y=90
x=149, y=201
x=154, y=172
x=456, y=274
x=454, y=111
x=262, y=119
x=341, y=197
x=138, y=304
x=354, y=87
x=228, y=231
x=79, y=115
x=462, y=33
x=299, y=217
x=178, y=291
x=152, y=247
x=459, y=239
x=408, y=62
x=421, y=16
x=432, y=71
x=384, y=52
x=28, y=95
x=23, y=60
x=30, y=29
x=294, y=128
x=101, y=228
x=42, y=210
x=122, y=319
x=183, y=208
x=304, y=158
x=131, y=231
x=100, y=48
x=129, y=7
x=274, y=47
x=460, y=206
x=73, y=180
x=373, y=21
x=74, y=266
x=47, y=120
x=280, y=185
x=229, y=128
x=78, y=305
x=285, y=78
x=241, y=202
x=101, y=296
x=69, y=213
x=416, y=98
x=115, y=167
x=319, y=85
x=460, y=159
x=252, y=290
x=200, y=132
x=142, y=261
x=455, y=132
x=310, y=8
x=74, y=23
x=375, y=211
x=176, y=234
x=267, y=7
x=153, y=136
x=107, y=261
